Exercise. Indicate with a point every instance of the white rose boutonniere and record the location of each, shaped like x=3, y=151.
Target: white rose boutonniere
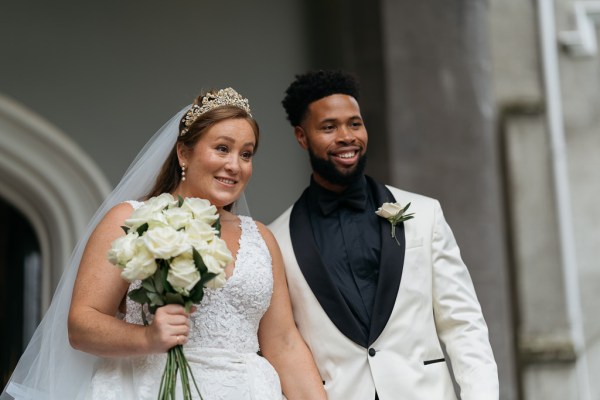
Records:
x=395, y=214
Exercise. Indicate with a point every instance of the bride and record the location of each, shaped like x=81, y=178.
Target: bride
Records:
x=207, y=151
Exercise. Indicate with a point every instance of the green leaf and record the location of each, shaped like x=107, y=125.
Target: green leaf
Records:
x=198, y=299
x=218, y=226
x=142, y=229
x=125, y=228
x=155, y=300
x=207, y=277
x=158, y=281
x=197, y=293
x=162, y=263
x=174, y=298
x=179, y=200
x=199, y=262
x=408, y=216
x=139, y=296
x=405, y=208
x=164, y=272
x=400, y=216
x=152, y=309
x=148, y=284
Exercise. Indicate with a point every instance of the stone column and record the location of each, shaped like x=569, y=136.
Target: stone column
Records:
x=442, y=142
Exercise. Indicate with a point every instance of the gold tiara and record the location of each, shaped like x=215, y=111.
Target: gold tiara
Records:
x=211, y=100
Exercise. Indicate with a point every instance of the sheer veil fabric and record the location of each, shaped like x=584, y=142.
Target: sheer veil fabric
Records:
x=50, y=368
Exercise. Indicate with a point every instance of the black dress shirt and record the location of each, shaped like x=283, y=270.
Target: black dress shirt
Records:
x=347, y=234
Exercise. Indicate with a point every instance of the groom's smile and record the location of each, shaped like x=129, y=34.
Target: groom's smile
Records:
x=346, y=157
x=335, y=136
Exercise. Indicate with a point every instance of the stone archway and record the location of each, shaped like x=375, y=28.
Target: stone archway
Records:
x=51, y=181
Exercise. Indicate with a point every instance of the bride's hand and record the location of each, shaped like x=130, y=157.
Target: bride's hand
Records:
x=171, y=326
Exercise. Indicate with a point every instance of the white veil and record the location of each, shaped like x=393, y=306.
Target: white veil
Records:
x=50, y=368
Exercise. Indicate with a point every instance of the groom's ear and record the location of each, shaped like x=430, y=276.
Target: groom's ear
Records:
x=300, y=136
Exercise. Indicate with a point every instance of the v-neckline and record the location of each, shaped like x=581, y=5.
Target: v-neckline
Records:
x=237, y=254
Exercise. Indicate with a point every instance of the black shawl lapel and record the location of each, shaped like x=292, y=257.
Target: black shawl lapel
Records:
x=316, y=275
x=390, y=266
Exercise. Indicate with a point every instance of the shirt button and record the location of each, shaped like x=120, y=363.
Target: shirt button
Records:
x=372, y=352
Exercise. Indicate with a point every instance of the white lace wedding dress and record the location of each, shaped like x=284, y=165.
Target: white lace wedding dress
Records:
x=223, y=344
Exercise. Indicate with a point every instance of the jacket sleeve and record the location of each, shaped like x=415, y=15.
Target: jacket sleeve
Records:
x=458, y=317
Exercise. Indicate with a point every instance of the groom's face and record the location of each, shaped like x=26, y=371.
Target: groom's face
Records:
x=335, y=136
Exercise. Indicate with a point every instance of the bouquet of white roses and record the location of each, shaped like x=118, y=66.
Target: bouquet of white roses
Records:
x=174, y=247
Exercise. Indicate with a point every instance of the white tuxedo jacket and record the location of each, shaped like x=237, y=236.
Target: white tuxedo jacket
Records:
x=425, y=299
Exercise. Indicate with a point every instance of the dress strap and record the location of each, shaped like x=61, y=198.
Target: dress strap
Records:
x=251, y=236
x=134, y=203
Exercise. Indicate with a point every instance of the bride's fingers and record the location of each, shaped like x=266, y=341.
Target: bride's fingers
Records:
x=177, y=320
x=172, y=315
x=172, y=309
x=181, y=339
x=171, y=326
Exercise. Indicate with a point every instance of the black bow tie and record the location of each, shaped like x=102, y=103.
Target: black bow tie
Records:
x=354, y=197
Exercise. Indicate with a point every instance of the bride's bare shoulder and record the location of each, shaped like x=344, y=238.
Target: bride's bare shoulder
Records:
x=267, y=235
x=117, y=214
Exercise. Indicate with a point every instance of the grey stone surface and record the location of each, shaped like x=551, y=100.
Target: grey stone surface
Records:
x=443, y=142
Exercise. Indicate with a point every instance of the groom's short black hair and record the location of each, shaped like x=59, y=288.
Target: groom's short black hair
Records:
x=313, y=86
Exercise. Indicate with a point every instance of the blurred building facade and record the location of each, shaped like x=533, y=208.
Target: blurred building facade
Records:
x=491, y=107
x=546, y=77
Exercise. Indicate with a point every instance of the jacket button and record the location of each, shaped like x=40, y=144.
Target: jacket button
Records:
x=372, y=352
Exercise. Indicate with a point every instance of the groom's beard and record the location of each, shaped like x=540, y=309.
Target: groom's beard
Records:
x=328, y=171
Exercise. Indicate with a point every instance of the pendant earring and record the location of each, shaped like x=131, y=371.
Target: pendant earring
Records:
x=182, y=172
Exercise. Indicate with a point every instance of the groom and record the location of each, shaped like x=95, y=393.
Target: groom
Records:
x=376, y=311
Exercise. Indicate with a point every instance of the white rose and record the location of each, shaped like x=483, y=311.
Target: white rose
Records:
x=141, y=266
x=139, y=217
x=165, y=242
x=157, y=219
x=388, y=210
x=216, y=257
x=151, y=212
x=183, y=274
x=216, y=282
x=199, y=233
x=201, y=208
x=123, y=249
x=160, y=202
x=177, y=217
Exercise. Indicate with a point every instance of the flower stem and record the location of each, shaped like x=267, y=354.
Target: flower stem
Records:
x=186, y=367
x=176, y=363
